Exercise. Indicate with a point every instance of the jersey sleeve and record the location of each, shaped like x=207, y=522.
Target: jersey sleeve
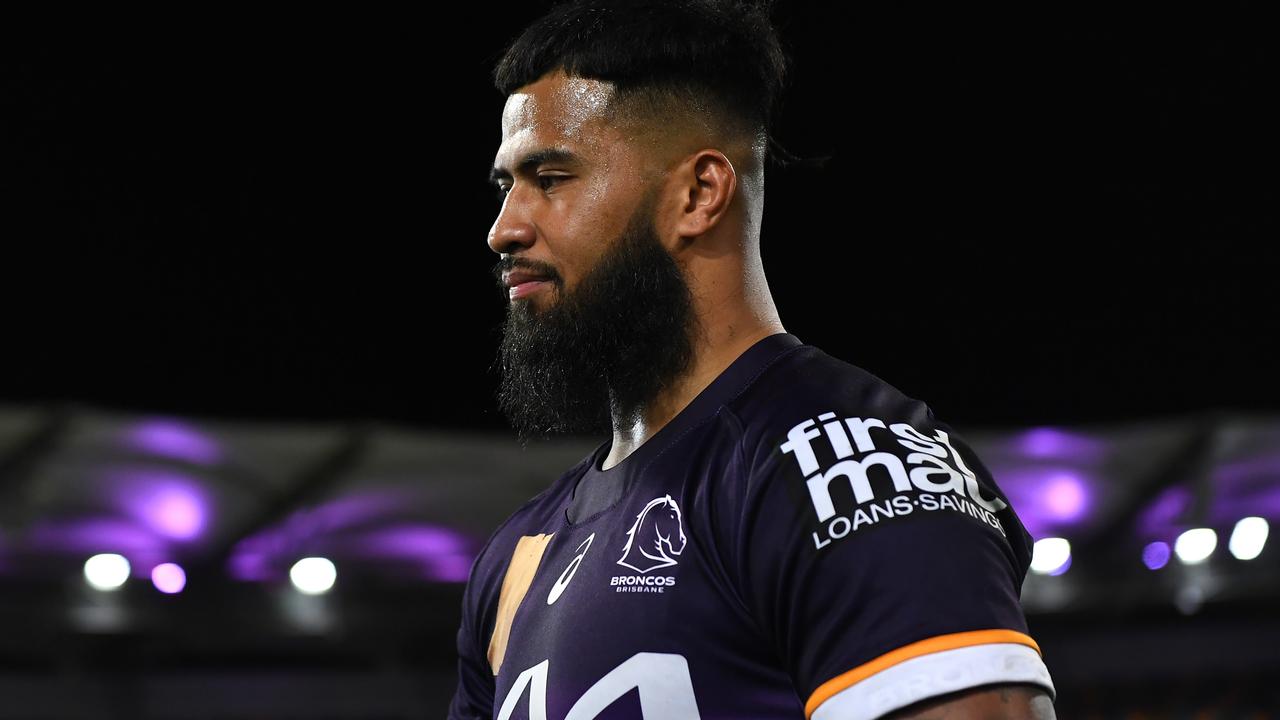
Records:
x=880, y=558
x=473, y=697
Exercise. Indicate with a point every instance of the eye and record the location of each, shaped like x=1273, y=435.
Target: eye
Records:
x=547, y=180
x=544, y=181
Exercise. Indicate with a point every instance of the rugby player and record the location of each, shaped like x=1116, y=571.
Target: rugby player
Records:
x=766, y=531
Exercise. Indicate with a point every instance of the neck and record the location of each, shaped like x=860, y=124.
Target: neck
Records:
x=722, y=344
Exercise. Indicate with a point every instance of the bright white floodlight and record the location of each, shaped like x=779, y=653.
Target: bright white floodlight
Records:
x=1050, y=554
x=1248, y=538
x=106, y=571
x=313, y=575
x=1195, y=545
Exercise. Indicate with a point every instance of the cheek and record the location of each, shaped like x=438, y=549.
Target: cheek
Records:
x=580, y=245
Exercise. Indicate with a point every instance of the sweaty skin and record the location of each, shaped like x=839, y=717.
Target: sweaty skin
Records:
x=707, y=216
x=1010, y=701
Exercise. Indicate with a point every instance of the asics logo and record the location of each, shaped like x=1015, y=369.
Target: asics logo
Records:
x=563, y=581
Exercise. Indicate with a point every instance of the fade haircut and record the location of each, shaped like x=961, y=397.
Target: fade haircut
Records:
x=716, y=62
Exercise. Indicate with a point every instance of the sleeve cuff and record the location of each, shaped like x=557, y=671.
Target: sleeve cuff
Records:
x=929, y=668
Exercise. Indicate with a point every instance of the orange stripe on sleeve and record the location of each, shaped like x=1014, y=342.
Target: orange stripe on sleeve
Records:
x=934, y=644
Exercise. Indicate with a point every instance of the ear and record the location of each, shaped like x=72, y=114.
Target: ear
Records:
x=707, y=184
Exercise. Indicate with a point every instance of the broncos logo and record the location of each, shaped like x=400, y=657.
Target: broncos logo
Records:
x=652, y=536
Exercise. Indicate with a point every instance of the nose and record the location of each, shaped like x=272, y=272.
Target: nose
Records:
x=511, y=229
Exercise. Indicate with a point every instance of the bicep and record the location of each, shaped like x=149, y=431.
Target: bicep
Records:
x=473, y=695
x=1007, y=701
x=885, y=574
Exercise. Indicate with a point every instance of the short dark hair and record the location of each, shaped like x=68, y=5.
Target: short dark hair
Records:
x=661, y=56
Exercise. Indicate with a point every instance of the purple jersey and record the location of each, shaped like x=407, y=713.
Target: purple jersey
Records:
x=801, y=541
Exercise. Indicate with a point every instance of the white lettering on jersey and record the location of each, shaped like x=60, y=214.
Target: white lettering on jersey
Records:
x=934, y=473
x=562, y=582
x=662, y=679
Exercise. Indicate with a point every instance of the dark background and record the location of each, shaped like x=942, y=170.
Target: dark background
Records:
x=1024, y=219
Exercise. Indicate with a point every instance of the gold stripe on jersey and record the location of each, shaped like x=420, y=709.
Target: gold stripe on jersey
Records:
x=515, y=583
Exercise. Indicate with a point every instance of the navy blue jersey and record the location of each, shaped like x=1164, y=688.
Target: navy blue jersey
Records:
x=801, y=541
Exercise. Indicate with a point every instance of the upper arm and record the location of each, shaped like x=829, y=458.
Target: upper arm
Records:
x=1010, y=701
x=881, y=560
x=473, y=694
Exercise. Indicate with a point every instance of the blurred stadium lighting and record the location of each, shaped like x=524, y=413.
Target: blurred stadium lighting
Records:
x=1156, y=555
x=1050, y=556
x=169, y=578
x=106, y=571
x=1247, y=539
x=313, y=575
x=1195, y=545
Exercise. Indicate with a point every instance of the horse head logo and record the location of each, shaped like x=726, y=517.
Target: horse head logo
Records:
x=656, y=535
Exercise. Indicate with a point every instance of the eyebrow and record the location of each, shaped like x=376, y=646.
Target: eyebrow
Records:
x=531, y=161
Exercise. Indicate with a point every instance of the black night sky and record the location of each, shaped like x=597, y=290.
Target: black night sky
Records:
x=1023, y=221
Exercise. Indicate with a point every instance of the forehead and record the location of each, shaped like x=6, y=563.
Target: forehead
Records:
x=557, y=109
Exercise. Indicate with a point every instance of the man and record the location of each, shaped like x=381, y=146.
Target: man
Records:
x=769, y=532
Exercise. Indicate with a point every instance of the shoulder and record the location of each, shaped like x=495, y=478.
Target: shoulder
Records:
x=834, y=443
x=809, y=388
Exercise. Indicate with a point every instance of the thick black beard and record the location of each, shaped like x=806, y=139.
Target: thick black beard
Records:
x=603, y=352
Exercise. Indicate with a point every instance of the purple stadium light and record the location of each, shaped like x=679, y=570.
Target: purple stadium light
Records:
x=168, y=578
x=1247, y=487
x=267, y=554
x=173, y=439
x=450, y=568
x=1046, y=443
x=250, y=566
x=1164, y=515
x=442, y=552
x=1156, y=555
x=366, y=507
x=93, y=535
x=409, y=540
x=1065, y=498
x=1047, y=498
x=176, y=513
x=170, y=504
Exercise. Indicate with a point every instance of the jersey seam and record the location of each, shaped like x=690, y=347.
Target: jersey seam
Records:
x=747, y=385
x=735, y=591
x=749, y=467
x=738, y=447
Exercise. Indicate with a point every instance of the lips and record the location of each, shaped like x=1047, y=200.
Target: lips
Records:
x=520, y=290
x=519, y=277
